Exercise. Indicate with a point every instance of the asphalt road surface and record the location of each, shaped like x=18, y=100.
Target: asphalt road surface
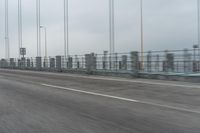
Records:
x=41, y=102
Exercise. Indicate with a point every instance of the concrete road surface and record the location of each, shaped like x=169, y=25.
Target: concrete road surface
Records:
x=41, y=102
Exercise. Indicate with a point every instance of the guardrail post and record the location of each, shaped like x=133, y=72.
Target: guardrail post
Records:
x=134, y=62
x=187, y=61
x=87, y=62
x=28, y=63
x=19, y=64
x=12, y=63
x=58, y=63
x=77, y=62
x=124, y=62
x=38, y=63
x=70, y=63
x=115, y=61
x=105, y=60
x=52, y=63
x=170, y=62
x=4, y=63
x=32, y=63
x=90, y=62
x=23, y=60
x=195, y=66
x=157, y=63
x=45, y=64
x=149, y=61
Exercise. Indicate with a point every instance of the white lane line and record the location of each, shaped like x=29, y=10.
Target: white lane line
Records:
x=131, y=81
x=122, y=99
x=145, y=82
x=158, y=82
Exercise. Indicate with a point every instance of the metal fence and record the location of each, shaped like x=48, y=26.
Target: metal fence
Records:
x=176, y=61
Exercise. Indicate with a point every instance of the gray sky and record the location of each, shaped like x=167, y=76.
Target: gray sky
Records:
x=168, y=24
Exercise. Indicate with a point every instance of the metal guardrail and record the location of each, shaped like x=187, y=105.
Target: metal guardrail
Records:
x=176, y=61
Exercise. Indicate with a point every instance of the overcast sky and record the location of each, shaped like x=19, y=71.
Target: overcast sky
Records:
x=168, y=24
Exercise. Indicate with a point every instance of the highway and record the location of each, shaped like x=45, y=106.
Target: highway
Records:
x=44, y=102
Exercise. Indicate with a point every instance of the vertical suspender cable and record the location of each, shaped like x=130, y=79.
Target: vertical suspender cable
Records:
x=142, y=34
x=111, y=30
x=39, y=36
x=38, y=28
x=66, y=28
x=19, y=25
x=198, y=26
x=113, y=27
x=7, y=48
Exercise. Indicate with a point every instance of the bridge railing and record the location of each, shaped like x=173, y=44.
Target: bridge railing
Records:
x=174, y=61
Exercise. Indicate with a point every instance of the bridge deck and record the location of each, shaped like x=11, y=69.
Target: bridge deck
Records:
x=41, y=102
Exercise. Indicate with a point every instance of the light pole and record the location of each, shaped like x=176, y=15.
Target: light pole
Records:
x=19, y=25
x=142, y=33
x=7, y=47
x=66, y=29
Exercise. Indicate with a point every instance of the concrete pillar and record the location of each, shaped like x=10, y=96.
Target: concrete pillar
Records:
x=19, y=63
x=70, y=63
x=120, y=65
x=78, y=65
x=82, y=62
x=124, y=62
x=115, y=61
x=87, y=62
x=134, y=62
x=32, y=63
x=149, y=61
x=195, y=66
x=112, y=61
x=23, y=62
x=58, y=63
x=105, y=60
x=52, y=63
x=187, y=61
x=4, y=63
x=46, y=62
x=157, y=65
x=165, y=66
x=77, y=62
x=90, y=62
x=12, y=63
x=28, y=63
x=170, y=62
x=38, y=63
x=94, y=61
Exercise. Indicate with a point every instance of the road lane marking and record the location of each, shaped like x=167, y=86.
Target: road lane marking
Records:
x=122, y=99
x=145, y=82
x=130, y=81
x=153, y=82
